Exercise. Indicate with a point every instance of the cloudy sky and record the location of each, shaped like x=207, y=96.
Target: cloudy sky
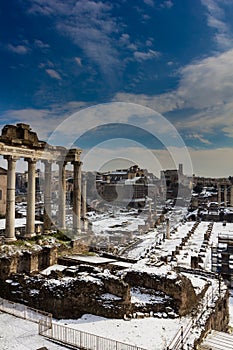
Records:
x=127, y=76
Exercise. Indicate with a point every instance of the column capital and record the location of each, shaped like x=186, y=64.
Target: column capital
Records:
x=77, y=162
x=47, y=161
x=61, y=162
x=31, y=160
x=13, y=158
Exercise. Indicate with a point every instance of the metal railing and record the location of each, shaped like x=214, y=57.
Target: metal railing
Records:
x=25, y=312
x=181, y=337
x=81, y=340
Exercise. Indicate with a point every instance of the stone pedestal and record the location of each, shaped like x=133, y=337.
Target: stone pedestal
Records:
x=167, y=229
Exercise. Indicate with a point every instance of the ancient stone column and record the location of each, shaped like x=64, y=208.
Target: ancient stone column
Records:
x=47, y=195
x=62, y=195
x=219, y=195
x=10, y=199
x=225, y=196
x=231, y=197
x=31, y=196
x=167, y=228
x=84, y=204
x=77, y=197
x=155, y=205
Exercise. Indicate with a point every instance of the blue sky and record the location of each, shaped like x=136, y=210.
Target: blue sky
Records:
x=174, y=57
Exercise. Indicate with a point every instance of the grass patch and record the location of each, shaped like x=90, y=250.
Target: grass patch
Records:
x=61, y=236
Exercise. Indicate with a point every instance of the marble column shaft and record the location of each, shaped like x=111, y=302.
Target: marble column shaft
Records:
x=31, y=198
x=62, y=195
x=47, y=195
x=84, y=205
x=225, y=196
x=231, y=196
x=10, y=199
x=77, y=197
x=84, y=199
x=219, y=195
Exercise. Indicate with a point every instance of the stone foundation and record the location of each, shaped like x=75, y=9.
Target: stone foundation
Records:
x=71, y=297
x=26, y=261
x=178, y=288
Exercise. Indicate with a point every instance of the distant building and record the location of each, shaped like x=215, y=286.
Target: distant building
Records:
x=222, y=257
x=128, y=187
x=176, y=183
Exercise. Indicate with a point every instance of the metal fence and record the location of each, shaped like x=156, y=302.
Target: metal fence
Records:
x=180, y=338
x=25, y=312
x=81, y=340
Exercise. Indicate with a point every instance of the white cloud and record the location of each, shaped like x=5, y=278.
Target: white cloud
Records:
x=198, y=137
x=206, y=87
x=168, y=4
x=78, y=60
x=41, y=45
x=149, y=2
x=19, y=49
x=143, y=56
x=53, y=74
x=215, y=20
x=90, y=27
x=42, y=121
x=159, y=103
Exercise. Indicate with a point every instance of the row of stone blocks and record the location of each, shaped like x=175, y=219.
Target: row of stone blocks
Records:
x=184, y=240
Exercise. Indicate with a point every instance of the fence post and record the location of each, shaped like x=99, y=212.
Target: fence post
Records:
x=80, y=339
x=97, y=343
x=182, y=337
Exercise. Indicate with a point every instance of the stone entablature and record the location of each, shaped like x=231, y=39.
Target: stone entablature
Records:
x=20, y=134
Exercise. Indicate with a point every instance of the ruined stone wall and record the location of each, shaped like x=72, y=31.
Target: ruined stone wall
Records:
x=64, y=297
x=26, y=261
x=218, y=319
x=180, y=288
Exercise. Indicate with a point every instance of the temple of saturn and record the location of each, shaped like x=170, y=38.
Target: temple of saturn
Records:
x=18, y=141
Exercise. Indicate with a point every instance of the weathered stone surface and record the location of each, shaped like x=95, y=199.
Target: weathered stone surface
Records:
x=179, y=289
x=26, y=261
x=99, y=294
x=20, y=134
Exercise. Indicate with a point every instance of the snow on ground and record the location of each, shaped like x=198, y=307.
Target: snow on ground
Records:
x=18, y=334
x=149, y=333
x=20, y=222
x=139, y=298
x=198, y=283
x=121, y=220
x=193, y=246
x=55, y=267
